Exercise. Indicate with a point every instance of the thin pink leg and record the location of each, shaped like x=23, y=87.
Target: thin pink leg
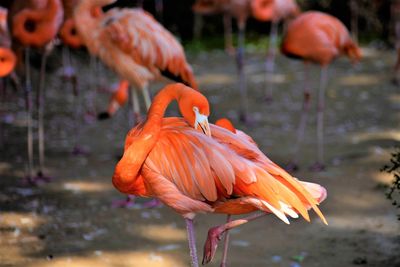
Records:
x=319, y=165
x=293, y=165
x=228, y=34
x=243, y=116
x=192, y=242
x=215, y=235
x=270, y=61
x=226, y=244
x=40, y=104
x=28, y=97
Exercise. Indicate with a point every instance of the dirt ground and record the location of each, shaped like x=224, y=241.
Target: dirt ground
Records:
x=70, y=222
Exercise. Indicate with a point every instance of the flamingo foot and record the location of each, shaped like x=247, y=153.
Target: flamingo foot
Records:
x=292, y=167
x=211, y=245
x=103, y=116
x=129, y=202
x=37, y=180
x=41, y=176
x=126, y=203
x=154, y=203
x=317, y=167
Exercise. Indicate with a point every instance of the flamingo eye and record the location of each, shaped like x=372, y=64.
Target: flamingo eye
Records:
x=195, y=109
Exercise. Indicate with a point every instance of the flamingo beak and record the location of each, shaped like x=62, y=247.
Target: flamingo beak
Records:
x=201, y=122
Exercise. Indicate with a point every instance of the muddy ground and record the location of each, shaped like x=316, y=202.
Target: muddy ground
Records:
x=70, y=222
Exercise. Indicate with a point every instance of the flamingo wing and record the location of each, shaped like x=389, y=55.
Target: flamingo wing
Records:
x=222, y=168
x=148, y=44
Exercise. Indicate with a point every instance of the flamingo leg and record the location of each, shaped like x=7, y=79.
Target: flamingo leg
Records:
x=293, y=165
x=146, y=96
x=227, y=19
x=192, y=242
x=242, y=79
x=40, y=104
x=270, y=60
x=226, y=244
x=215, y=234
x=135, y=106
x=28, y=105
x=319, y=165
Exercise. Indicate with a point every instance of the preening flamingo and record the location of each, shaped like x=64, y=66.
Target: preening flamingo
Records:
x=192, y=167
x=134, y=44
x=35, y=24
x=319, y=38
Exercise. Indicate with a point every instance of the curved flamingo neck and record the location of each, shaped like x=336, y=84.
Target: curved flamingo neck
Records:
x=160, y=103
x=138, y=147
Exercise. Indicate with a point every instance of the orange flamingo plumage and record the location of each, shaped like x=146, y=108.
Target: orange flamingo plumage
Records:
x=134, y=44
x=35, y=23
x=192, y=167
x=319, y=38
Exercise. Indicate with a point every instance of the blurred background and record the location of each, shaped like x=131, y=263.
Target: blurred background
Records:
x=63, y=211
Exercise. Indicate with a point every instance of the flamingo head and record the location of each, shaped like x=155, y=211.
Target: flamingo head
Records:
x=7, y=61
x=195, y=109
x=353, y=52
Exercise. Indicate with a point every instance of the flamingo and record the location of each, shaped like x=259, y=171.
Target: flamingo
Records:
x=274, y=11
x=68, y=33
x=134, y=44
x=7, y=56
x=319, y=38
x=35, y=24
x=196, y=167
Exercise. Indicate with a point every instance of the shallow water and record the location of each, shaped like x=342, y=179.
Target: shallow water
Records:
x=70, y=222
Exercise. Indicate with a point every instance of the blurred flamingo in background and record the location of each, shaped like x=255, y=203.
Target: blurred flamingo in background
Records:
x=319, y=38
x=68, y=33
x=8, y=59
x=193, y=167
x=241, y=10
x=135, y=45
x=35, y=24
x=274, y=11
